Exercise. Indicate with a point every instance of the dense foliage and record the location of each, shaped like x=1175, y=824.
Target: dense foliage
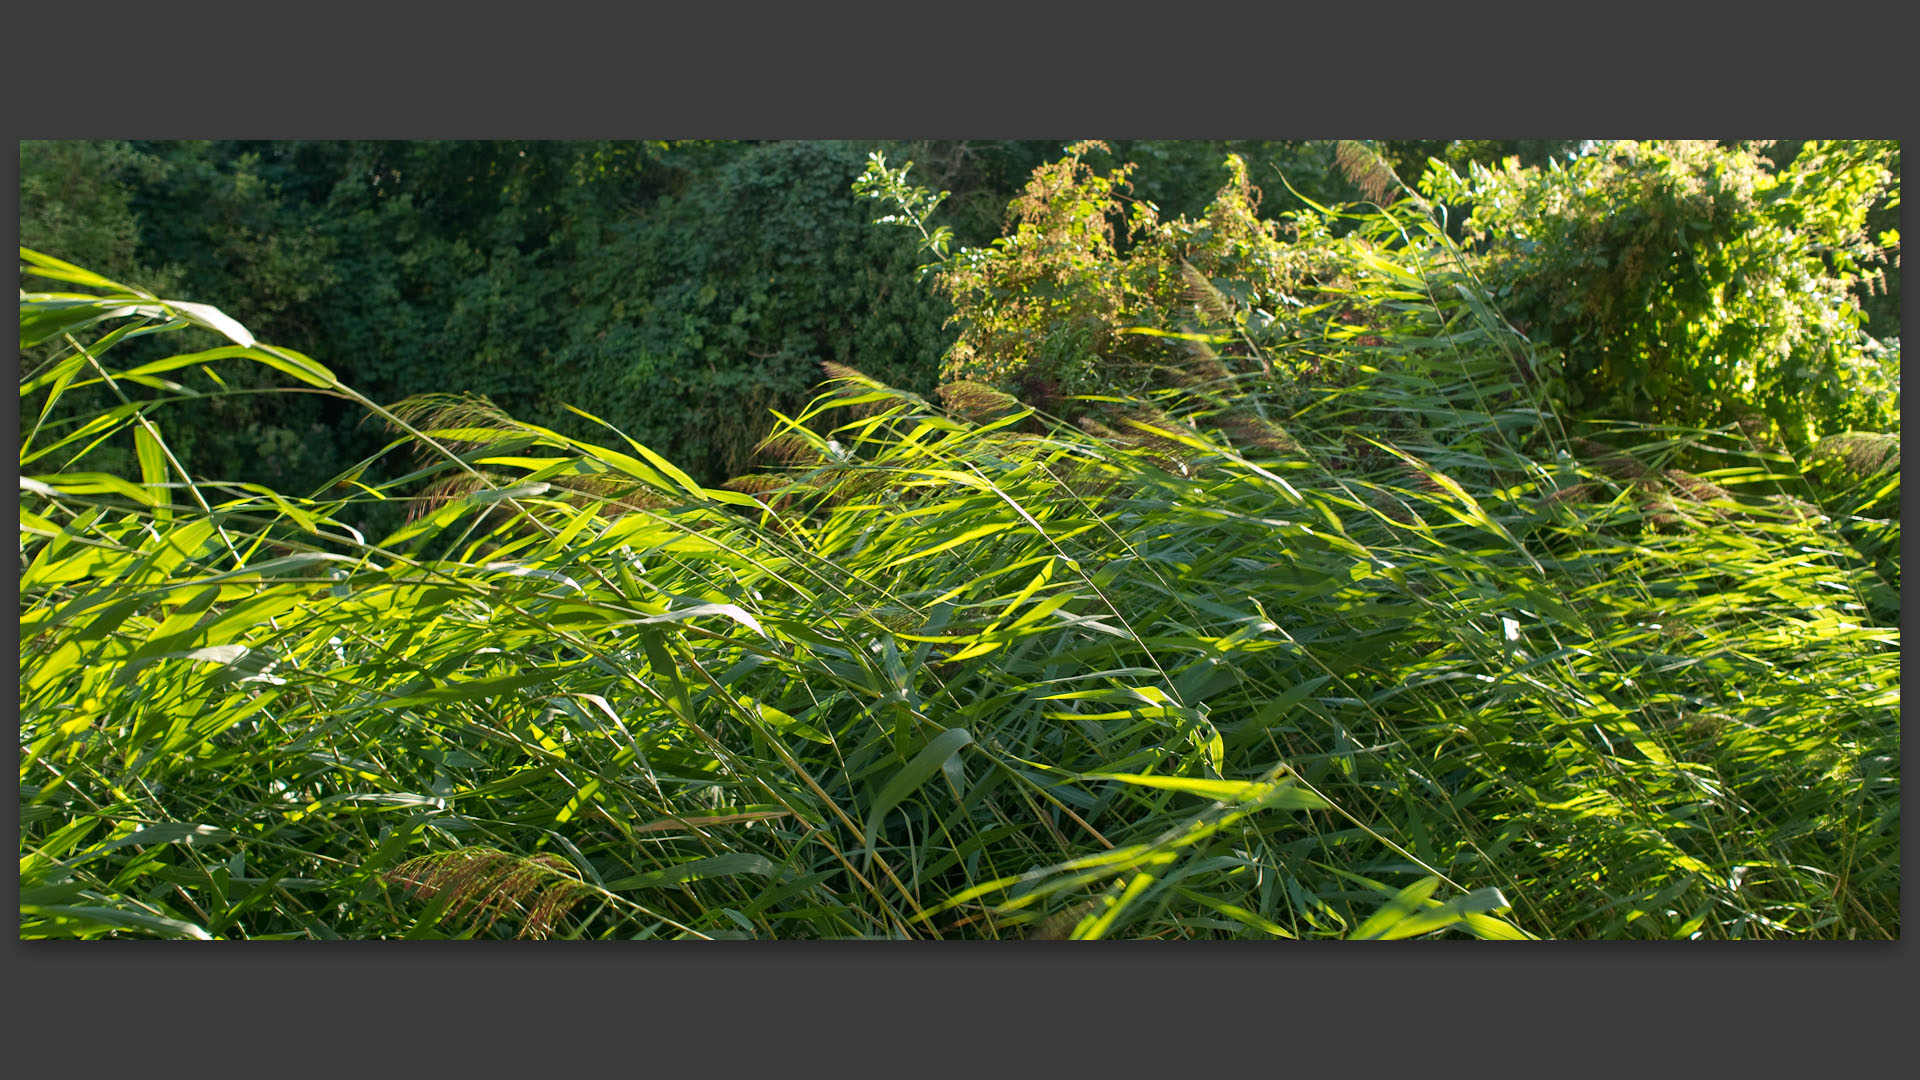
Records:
x=1055, y=307
x=1316, y=617
x=1245, y=575
x=1694, y=283
x=681, y=289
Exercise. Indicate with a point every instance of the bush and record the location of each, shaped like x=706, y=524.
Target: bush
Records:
x=1693, y=283
x=1088, y=287
x=678, y=290
x=619, y=277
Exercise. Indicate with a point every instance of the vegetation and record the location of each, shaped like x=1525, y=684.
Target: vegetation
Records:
x=1690, y=282
x=682, y=289
x=541, y=274
x=1241, y=576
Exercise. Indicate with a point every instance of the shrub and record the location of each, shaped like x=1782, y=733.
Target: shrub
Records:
x=1088, y=286
x=1693, y=283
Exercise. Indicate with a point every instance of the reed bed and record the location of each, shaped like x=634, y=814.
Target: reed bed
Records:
x=1385, y=655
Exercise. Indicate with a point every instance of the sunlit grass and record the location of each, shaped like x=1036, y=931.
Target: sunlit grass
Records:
x=1424, y=665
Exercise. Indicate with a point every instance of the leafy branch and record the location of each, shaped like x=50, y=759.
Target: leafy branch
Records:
x=916, y=204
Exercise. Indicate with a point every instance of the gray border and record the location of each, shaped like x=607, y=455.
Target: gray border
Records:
x=256, y=71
